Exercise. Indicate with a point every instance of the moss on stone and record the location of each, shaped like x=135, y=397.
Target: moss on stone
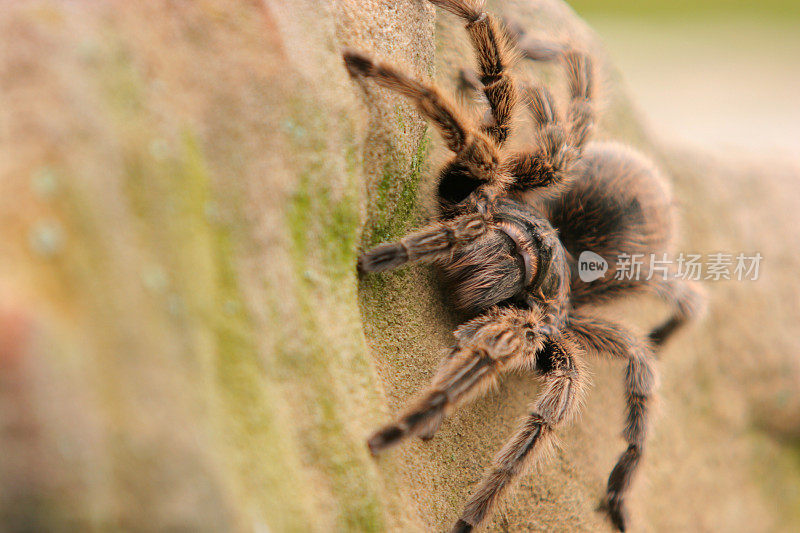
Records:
x=396, y=207
x=323, y=224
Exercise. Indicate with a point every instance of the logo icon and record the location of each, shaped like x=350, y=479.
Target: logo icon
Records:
x=591, y=266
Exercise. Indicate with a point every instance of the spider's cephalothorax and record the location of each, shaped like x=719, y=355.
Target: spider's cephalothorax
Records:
x=510, y=256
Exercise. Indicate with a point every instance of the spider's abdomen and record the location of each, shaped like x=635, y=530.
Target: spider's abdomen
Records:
x=617, y=204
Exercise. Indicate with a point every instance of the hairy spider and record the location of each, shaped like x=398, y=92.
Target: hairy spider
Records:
x=510, y=256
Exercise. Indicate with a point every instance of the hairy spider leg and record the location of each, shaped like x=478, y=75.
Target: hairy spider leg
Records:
x=564, y=381
x=486, y=347
x=604, y=337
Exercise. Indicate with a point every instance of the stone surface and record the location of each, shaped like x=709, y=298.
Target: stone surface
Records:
x=184, y=342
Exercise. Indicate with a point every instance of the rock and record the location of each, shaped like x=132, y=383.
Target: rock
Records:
x=184, y=188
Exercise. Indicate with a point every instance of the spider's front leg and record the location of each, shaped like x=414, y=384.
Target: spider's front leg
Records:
x=478, y=152
x=564, y=380
x=560, y=141
x=494, y=343
x=429, y=244
x=495, y=55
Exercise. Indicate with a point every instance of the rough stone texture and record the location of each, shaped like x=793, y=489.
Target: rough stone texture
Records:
x=184, y=343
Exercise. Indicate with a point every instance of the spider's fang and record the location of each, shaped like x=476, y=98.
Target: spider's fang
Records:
x=522, y=248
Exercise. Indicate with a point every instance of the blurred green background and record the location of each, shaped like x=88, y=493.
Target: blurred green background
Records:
x=687, y=9
x=719, y=74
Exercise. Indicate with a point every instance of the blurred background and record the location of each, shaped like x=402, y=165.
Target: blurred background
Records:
x=718, y=74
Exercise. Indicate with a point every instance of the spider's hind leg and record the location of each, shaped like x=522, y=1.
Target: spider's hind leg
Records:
x=580, y=113
x=688, y=301
x=580, y=79
x=604, y=337
x=560, y=141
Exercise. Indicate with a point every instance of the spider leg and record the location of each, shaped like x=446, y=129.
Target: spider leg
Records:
x=601, y=336
x=495, y=54
x=429, y=100
x=432, y=243
x=564, y=381
x=469, y=84
x=477, y=151
x=540, y=49
x=580, y=113
x=578, y=68
x=559, y=143
x=548, y=164
x=688, y=302
x=494, y=343
x=532, y=47
x=580, y=79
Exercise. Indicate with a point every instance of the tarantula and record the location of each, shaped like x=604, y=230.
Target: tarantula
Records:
x=509, y=257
